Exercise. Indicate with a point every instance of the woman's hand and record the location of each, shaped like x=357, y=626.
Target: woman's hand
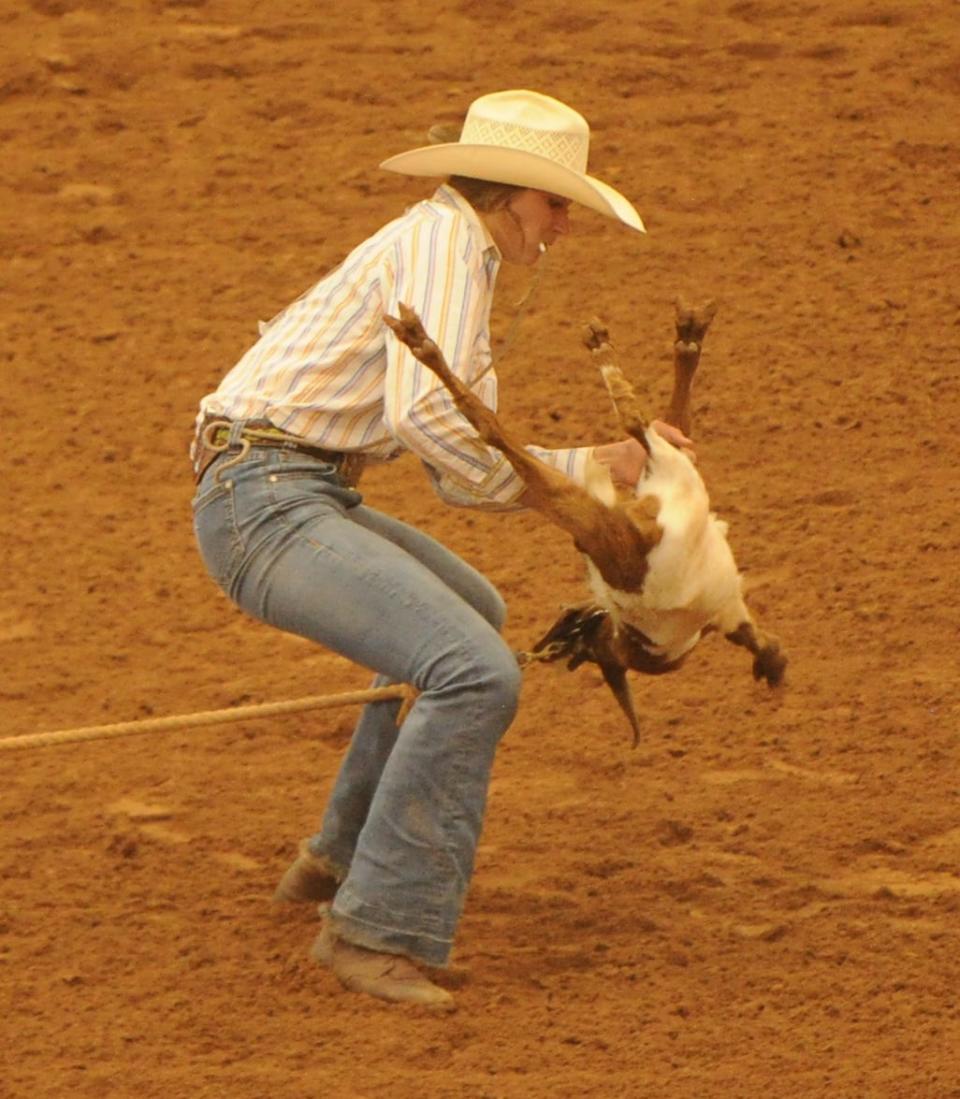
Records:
x=624, y=461
x=674, y=436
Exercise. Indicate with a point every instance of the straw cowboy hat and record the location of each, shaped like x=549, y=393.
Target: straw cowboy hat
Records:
x=523, y=138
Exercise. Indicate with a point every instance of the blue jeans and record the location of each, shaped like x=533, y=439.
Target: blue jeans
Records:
x=294, y=547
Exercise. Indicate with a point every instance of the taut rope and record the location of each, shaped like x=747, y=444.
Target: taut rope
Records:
x=401, y=691
x=205, y=717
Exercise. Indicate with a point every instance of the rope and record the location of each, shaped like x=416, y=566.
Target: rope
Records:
x=205, y=717
x=402, y=692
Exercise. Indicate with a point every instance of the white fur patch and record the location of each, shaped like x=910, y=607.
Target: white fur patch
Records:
x=692, y=579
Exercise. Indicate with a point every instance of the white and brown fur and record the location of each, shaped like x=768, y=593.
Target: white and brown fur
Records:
x=660, y=566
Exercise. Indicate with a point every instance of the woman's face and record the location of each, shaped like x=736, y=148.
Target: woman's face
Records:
x=528, y=225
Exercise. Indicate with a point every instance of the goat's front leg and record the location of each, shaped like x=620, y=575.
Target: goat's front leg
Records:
x=692, y=324
x=769, y=662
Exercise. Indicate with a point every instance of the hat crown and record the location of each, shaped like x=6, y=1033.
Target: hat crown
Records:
x=529, y=122
x=528, y=140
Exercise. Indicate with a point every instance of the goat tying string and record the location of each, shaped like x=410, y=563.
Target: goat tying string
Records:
x=547, y=655
x=209, y=717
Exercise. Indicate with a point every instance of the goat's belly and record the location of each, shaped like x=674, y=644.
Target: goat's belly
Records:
x=692, y=567
x=687, y=588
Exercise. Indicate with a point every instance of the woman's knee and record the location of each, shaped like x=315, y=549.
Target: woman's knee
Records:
x=476, y=590
x=480, y=665
x=499, y=679
x=493, y=607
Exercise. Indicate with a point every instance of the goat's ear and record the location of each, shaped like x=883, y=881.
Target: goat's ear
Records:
x=572, y=636
x=616, y=678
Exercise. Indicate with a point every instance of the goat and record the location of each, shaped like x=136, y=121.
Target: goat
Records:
x=660, y=567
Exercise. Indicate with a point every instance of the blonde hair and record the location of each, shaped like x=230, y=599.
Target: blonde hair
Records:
x=484, y=195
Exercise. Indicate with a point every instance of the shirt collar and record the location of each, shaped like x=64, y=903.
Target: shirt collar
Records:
x=451, y=196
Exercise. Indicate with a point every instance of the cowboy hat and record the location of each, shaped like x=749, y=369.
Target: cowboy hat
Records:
x=523, y=138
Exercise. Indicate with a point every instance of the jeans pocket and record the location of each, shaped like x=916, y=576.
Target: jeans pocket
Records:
x=310, y=484
x=215, y=527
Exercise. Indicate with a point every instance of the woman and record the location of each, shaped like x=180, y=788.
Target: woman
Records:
x=283, y=530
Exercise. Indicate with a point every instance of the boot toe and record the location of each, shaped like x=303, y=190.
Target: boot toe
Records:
x=390, y=977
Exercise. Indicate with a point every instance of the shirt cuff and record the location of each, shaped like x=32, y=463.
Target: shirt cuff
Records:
x=572, y=461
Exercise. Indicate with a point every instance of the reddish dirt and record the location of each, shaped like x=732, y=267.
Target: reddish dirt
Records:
x=763, y=898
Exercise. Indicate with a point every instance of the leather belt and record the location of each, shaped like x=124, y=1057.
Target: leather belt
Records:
x=212, y=440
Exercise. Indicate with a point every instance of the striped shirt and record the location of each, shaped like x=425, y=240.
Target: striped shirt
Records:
x=329, y=370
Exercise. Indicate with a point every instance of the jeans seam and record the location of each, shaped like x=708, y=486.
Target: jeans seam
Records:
x=238, y=548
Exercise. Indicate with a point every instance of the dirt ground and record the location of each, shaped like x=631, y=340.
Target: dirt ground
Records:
x=763, y=899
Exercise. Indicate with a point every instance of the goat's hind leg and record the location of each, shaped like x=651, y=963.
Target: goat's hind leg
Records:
x=561, y=500
x=692, y=324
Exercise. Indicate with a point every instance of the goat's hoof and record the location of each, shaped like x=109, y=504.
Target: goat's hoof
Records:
x=770, y=665
x=595, y=336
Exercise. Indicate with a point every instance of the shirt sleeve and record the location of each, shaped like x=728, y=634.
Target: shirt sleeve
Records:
x=439, y=270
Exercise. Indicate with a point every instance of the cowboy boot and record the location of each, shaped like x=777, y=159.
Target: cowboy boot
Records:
x=309, y=877
x=391, y=977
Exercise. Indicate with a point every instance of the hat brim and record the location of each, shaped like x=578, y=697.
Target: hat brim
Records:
x=522, y=169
